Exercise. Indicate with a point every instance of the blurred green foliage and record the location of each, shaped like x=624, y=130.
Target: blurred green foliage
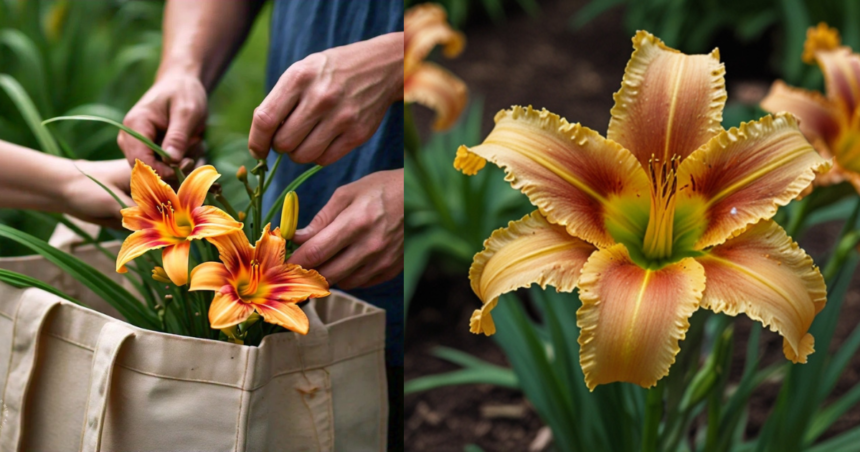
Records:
x=692, y=25
x=63, y=57
x=460, y=10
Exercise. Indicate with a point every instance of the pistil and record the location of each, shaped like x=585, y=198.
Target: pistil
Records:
x=664, y=184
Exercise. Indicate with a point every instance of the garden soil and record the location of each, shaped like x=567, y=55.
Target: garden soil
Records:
x=540, y=61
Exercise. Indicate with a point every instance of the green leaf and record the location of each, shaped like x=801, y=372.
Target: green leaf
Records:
x=31, y=115
x=475, y=371
x=149, y=143
x=20, y=281
x=105, y=188
x=276, y=207
x=30, y=63
x=123, y=301
x=846, y=442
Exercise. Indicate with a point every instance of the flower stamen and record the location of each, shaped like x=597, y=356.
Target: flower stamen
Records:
x=664, y=184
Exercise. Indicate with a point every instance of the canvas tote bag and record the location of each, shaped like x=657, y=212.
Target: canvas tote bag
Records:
x=73, y=379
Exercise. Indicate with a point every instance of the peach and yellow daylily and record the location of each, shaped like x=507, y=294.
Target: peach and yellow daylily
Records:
x=668, y=214
x=256, y=278
x=166, y=219
x=424, y=27
x=831, y=123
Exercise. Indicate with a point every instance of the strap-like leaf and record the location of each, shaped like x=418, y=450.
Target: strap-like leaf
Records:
x=114, y=294
x=20, y=281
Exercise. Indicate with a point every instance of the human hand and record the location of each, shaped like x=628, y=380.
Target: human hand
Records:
x=84, y=199
x=174, y=108
x=327, y=104
x=356, y=240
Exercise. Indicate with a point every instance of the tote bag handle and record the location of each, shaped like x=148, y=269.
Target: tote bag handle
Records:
x=33, y=310
x=111, y=339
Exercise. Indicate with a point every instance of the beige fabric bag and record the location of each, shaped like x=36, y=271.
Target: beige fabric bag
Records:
x=76, y=379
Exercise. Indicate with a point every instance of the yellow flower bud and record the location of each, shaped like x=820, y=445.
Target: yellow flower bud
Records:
x=160, y=275
x=242, y=215
x=242, y=174
x=290, y=216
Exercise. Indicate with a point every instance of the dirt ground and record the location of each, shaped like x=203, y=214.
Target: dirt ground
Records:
x=540, y=62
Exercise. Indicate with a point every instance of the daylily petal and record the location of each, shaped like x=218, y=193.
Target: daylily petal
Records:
x=148, y=191
x=271, y=249
x=468, y=163
x=227, y=309
x=175, y=259
x=425, y=26
x=438, y=89
x=234, y=250
x=743, y=175
x=287, y=315
x=574, y=176
x=528, y=251
x=818, y=117
x=290, y=282
x=194, y=188
x=210, y=221
x=139, y=243
x=763, y=274
x=631, y=319
x=669, y=103
x=209, y=276
x=841, y=70
x=134, y=219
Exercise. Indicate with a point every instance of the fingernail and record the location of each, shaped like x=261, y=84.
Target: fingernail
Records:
x=174, y=153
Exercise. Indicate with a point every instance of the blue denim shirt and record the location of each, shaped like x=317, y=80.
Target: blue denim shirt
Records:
x=300, y=28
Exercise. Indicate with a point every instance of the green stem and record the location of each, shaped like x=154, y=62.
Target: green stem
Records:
x=226, y=205
x=797, y=220
x=653, y=414
x=272, y=173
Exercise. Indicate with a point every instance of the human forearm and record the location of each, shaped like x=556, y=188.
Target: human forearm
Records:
x=30, y=179
x=202, y=36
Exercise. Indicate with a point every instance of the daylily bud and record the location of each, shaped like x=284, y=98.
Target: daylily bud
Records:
x=290, y=216
x=242, y=215
x=215, y=189
x=160, y=275
x=242, y=174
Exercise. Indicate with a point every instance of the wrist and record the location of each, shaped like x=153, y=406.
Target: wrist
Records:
x=179, y=67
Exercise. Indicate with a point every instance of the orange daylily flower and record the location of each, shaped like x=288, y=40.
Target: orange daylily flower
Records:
x=169, y=220
x=256, y=278
x=832, y=123
x=424, y=27
x=669, y=214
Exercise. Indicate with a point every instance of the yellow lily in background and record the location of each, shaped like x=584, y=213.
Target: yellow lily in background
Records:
x=169, y=220
x=256, y=278
x=669, y=214
x=832, y=123
x=424, y=27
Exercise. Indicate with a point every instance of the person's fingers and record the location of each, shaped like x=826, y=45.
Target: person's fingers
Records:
x=326, y=244
x=315, y=143
x=386, y=275
x=332, y=209
x=270, y=114
x=349, y=263
x=339, y=147
x=356, y=278
x=185, y=119
x=296, y=129
x=134, y=149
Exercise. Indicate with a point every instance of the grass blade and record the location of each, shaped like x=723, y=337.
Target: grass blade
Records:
x=292, y=187
x=149, y=143
x=31, y=115
x=123, y=301
x=105, y=188
x=20, y=281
